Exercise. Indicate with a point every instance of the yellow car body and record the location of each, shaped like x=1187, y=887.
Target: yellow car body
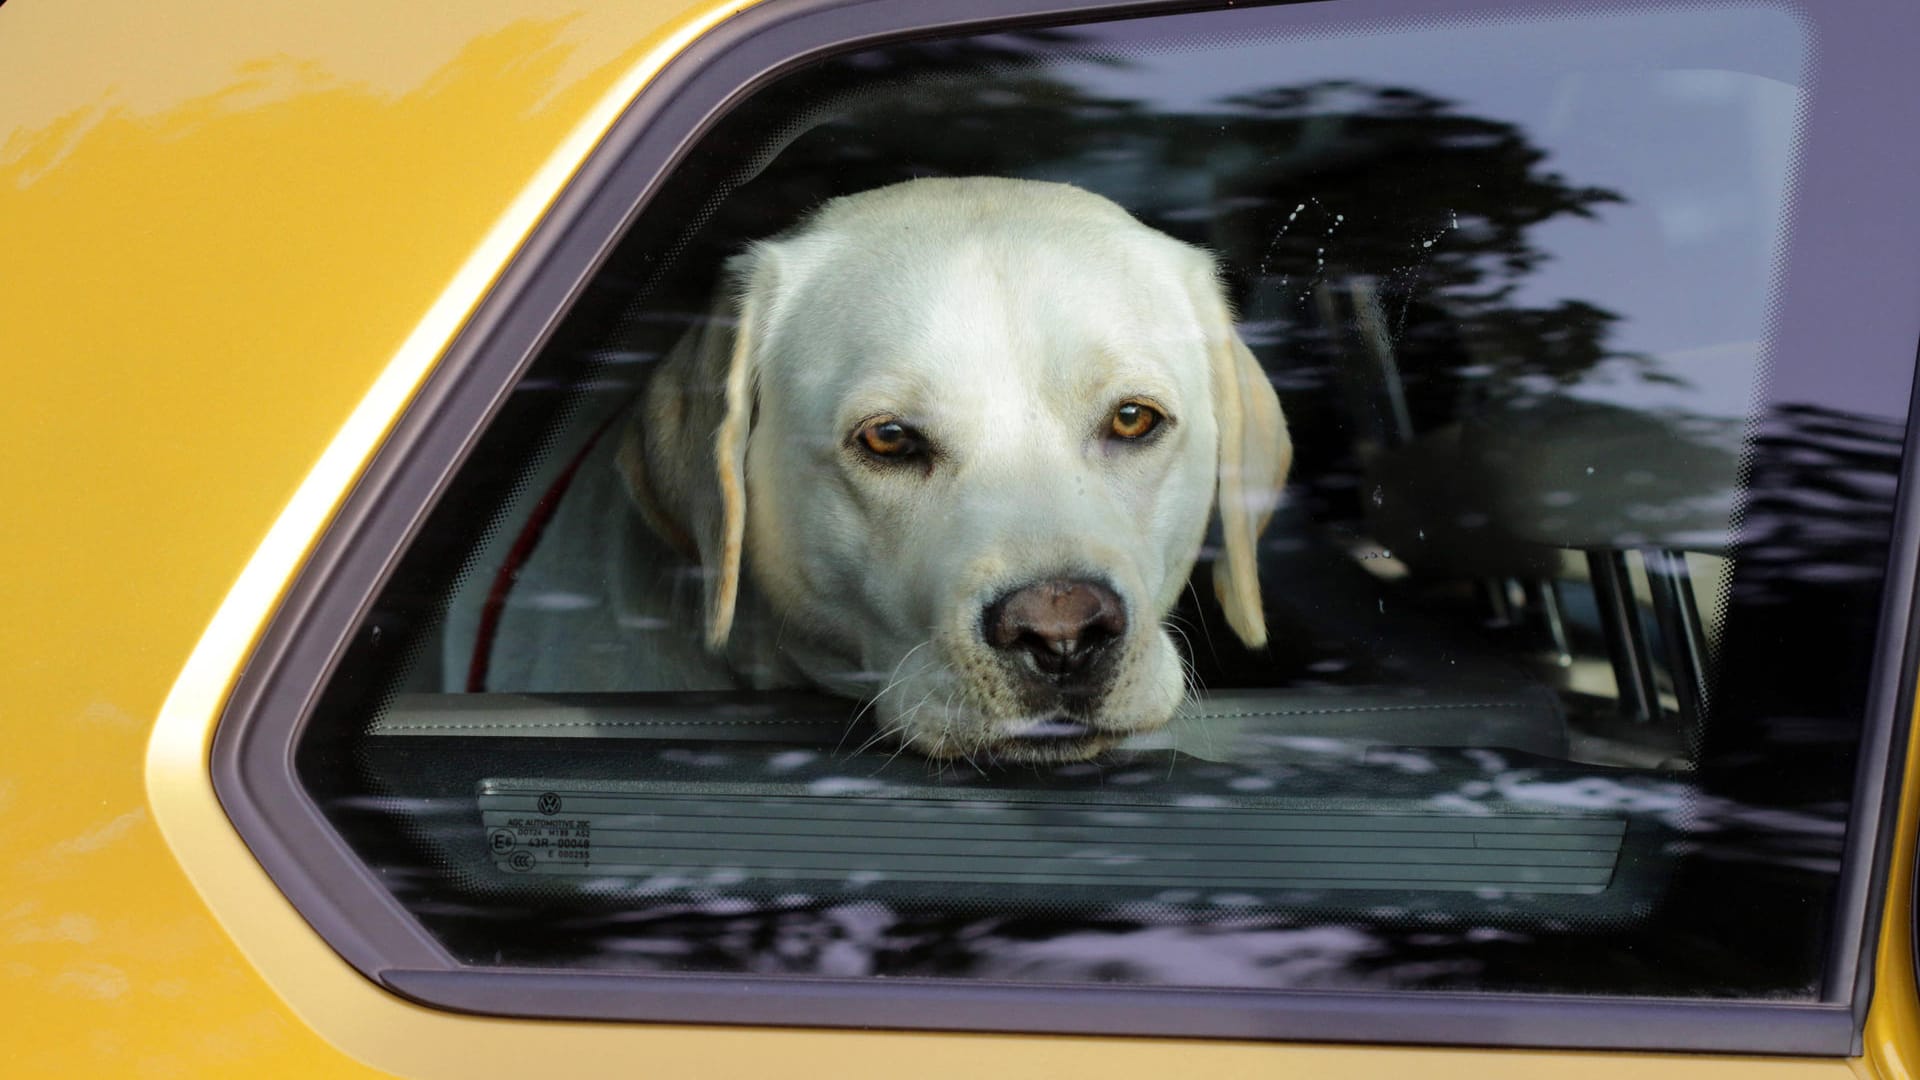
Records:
x=234, y=238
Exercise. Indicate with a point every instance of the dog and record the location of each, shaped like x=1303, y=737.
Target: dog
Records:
x=949, y=447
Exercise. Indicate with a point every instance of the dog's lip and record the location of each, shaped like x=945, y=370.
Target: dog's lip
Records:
x=1051, y=729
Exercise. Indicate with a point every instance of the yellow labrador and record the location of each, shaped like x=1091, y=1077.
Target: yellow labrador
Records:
x=950, y=447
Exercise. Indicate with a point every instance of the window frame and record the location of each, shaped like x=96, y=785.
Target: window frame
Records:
x=252, y=754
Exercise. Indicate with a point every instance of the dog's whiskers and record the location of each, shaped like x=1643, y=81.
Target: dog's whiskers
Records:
x=1189, y=689
x=879, y=735
x=897, y=729
x=885, y=731
x=897, y=751
x=1205, y=630
x=894, y=679
x=947, y=722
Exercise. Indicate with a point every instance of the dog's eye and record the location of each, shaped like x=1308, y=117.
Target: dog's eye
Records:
x=1134, y=420
x=889, y=439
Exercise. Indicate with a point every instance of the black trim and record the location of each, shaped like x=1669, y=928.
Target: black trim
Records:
x=252, y=756
x=1883, y=759
x=1447, y=1018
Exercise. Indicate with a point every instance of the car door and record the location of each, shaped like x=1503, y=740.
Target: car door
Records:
x=1586, y=680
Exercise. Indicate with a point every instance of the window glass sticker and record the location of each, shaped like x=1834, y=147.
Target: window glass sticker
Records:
x=1233, y=499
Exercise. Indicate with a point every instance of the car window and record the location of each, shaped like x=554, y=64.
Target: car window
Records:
x=1282, y=500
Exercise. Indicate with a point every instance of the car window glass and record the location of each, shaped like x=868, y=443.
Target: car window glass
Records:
x=944, y=617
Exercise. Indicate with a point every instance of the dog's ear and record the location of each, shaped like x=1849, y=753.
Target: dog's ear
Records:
x=684, y=452
x=1255, y=454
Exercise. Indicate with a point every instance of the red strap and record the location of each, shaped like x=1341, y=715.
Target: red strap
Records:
x=517, y=556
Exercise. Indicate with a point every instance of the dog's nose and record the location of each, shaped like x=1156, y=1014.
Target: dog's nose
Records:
x=1064, y=626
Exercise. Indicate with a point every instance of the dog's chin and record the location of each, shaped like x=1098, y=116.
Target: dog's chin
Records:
x=996, y=724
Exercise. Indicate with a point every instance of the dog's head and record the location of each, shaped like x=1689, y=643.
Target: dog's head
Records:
x=966, y=436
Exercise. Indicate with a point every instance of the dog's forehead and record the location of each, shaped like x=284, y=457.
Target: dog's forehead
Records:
x=943, y=311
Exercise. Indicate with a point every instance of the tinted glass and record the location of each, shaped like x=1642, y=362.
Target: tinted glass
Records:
x=1570, y=602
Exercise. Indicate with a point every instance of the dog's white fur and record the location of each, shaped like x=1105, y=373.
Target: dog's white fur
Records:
x=1006, y=320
